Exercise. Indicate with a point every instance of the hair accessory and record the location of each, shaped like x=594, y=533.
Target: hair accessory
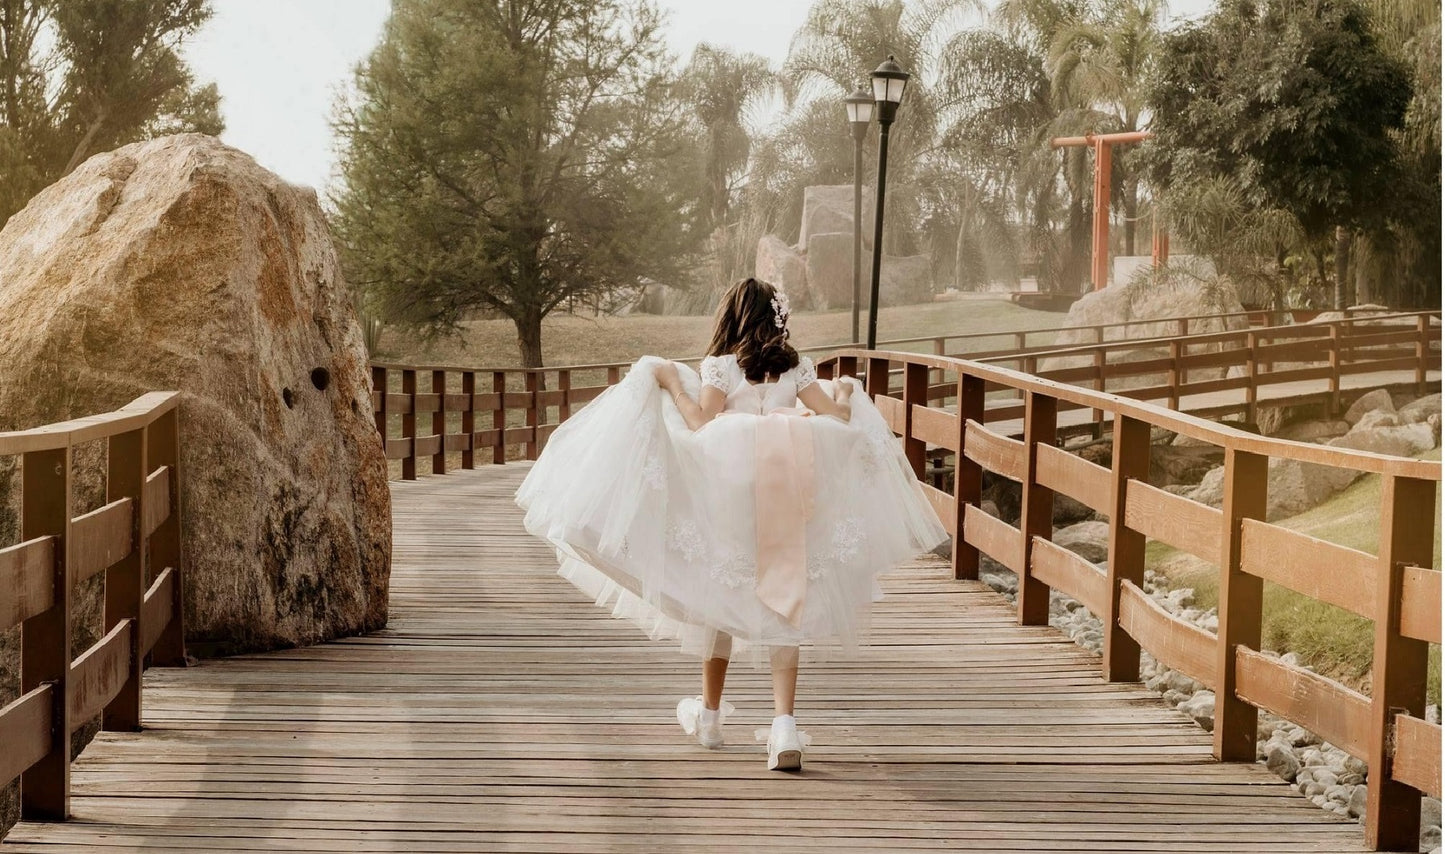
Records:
x=781, y=310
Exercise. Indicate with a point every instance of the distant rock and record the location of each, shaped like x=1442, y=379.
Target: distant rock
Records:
x=1313, y=431
x=179, y=263
x=1088, y=540
x=1420, y=411
x=1375, y=401
x=782, y=266
x=828, y=209
x=1151, y=298
x=1409, y=440
x=829, y=262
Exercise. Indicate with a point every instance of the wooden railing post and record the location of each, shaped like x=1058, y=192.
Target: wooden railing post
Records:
x=533, y=380
x=1241, y=604
x=469, y=419
x=499, y=418
x=1251, y=390
x=848, y=366
x=1334, y=404
x=1422, y=351
x=1398, y=680
x=439, y=422
x=163, y=448
x=1101, y=360
x=1036, y=518
x=1174, y=375
x=967, y=475
x=1126, y=546
x=915, y=393
x=408, y=424
x=564, y=385
x=614, y=375
x=877, y=381
x=45, y=637
x=125, y=582
x=380, y=411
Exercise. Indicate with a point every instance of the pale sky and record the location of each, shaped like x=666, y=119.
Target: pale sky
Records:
x=280, y=63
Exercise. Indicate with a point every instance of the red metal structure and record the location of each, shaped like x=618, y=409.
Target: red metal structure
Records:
x=1103, y=167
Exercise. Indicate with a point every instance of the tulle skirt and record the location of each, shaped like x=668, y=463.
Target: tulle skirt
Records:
x=659, y=523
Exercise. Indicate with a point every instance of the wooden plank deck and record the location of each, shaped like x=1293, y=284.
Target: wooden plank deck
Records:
x=501, y=711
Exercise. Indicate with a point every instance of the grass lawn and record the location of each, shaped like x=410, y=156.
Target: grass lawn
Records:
x=580, y=340
x=1335, y=642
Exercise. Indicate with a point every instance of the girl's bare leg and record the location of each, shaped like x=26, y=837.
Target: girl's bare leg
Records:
x=715, y=672
x=785, y=678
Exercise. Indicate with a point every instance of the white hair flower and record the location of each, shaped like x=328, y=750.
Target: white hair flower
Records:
x=781, y=309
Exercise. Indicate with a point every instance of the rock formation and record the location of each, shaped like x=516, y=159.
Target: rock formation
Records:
x=1150, y=298
x=818, y=271
x=179, y=263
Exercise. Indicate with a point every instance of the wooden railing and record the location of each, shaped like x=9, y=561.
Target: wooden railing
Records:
x=1398, y=588
x=508, y=413
x=1267, y=356
x=978, y=345
x=135, y=540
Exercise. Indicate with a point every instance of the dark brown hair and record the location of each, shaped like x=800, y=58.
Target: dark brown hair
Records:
x=746, y=326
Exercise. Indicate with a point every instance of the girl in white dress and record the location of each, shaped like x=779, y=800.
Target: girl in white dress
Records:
x=748, y=507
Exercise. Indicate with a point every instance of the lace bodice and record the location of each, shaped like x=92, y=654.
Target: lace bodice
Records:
x=723, y=373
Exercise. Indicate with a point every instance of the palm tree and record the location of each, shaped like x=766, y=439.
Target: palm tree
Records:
x=1099, y=66
x=724, y=88
x=838, y=45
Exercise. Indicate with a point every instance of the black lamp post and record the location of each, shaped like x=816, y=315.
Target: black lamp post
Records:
x=889, y=81
x=860, y=116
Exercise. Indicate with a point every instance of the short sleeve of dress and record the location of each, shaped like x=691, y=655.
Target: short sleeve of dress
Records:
x=805, y=374
x=714, y=372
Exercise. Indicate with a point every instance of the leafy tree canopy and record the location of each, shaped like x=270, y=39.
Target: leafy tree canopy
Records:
x=79, y=77
x=1295, y=101
x=509, y=155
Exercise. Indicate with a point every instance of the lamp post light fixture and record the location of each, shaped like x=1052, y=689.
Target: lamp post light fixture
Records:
x=860, y=116
x=889, y=82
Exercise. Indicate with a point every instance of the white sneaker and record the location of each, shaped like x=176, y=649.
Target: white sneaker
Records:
x=785, y=745
x=705, y=723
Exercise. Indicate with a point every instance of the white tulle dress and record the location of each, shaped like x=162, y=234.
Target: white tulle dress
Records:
x=661, y=524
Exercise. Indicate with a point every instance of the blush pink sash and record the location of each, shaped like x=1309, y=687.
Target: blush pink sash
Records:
x=784, y=494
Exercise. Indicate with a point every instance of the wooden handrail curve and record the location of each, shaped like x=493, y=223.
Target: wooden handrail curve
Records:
x=135, y=540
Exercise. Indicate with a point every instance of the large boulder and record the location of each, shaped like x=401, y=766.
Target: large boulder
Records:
x=1294, y=487
x=1374, y=401
x=1420, y=411
x=903, y=280
x=828, y=209
x=1154, y=297
x=179, y=263
x=1409, y=440
x=782, y=265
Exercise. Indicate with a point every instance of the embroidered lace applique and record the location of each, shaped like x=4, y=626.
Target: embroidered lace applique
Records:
x=686, y=540
x=736, y=572
x=714, y=373
x=806, y=373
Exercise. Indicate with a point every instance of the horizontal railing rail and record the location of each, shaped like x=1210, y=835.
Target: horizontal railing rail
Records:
x=1398, y=587
x=135, y=540
x=506, y=412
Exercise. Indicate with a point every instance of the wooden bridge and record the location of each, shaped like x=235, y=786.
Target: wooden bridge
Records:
x=499, y=711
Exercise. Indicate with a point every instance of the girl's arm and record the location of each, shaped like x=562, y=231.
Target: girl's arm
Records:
x=839, y=405
x=695, y=413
